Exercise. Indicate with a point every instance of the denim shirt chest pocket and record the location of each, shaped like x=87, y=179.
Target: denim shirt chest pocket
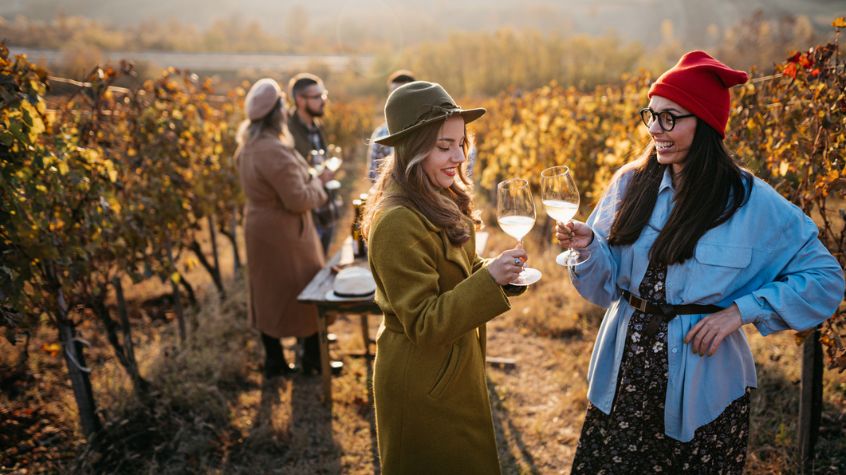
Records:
x=713, y=272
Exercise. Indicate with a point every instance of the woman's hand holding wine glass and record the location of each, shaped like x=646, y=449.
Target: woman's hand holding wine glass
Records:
x=507, y=266
x=574, y=234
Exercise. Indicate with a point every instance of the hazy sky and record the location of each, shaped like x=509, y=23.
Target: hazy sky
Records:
x=405, y=21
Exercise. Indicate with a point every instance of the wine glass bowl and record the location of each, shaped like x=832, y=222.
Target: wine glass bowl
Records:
x=317, y=159
x=335, y=161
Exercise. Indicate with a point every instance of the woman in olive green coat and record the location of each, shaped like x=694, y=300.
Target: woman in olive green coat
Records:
x=432, y=409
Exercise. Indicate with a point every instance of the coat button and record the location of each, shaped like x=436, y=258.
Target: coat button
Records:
x=675, y=350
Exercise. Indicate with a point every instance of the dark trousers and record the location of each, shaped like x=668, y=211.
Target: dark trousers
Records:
x=274, y=357
x=311, y=352
x=325, y=234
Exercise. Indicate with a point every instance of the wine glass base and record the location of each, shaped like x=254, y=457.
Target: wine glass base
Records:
x=572, y=257
x=528, y=276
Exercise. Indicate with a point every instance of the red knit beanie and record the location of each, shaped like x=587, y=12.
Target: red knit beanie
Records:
x=700, y=84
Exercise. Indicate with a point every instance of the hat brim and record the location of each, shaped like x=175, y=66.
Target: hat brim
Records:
x=469, y=115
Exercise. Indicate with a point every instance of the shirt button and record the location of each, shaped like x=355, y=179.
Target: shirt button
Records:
x=675, y=350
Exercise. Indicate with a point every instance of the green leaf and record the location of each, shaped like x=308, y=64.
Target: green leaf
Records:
x=17, y=131
x=6, y=138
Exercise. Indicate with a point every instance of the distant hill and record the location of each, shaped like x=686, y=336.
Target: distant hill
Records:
x=403, y=22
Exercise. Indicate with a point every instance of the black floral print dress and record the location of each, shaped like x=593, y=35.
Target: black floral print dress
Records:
x=631, y=439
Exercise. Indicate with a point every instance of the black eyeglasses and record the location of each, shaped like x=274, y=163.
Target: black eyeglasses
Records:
x=322, y=96
x=666, y=119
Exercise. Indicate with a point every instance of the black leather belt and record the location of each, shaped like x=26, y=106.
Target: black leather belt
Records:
x=666, y=312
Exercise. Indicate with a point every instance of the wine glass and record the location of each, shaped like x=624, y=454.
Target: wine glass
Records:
x=515, y=213
x=334, y=163
x=560, y=197
x=317, y=160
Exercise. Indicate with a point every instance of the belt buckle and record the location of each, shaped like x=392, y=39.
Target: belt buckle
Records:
x=641, y=303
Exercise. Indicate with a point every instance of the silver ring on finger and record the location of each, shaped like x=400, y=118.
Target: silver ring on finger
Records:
x=518, y=262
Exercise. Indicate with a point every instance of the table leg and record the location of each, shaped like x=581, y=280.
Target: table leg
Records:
x=325, y=370
x=365, y=334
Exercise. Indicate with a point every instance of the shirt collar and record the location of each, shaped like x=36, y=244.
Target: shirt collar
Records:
x=667, y=180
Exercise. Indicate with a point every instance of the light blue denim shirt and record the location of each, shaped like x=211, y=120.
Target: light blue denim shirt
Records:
x=766, y=258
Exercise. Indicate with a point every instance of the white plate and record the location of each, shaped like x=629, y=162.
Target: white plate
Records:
x=528, y=277
x=330, y=296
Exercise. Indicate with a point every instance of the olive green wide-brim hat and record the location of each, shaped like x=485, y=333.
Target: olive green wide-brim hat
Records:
x=418, y=103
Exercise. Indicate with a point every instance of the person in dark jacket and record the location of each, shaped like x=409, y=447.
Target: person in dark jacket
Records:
x=309, y=98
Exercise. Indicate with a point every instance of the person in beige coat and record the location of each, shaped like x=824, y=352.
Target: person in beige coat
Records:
x=430, y=393
x=283, y=252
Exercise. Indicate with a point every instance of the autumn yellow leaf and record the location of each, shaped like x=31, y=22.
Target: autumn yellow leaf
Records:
x=839, y=22
x=114, y=204
x=37, y=127
x=52, y=349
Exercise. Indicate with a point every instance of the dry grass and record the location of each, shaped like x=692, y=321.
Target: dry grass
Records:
x=212, y=411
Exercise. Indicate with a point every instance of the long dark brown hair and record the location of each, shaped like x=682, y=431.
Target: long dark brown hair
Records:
x=447, y=209
x=710, y=189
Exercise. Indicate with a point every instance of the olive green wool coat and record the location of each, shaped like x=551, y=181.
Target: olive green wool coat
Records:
x=430, y=393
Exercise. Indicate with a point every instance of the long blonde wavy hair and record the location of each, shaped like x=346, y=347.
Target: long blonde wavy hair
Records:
x=447, y=208
x=274, y=124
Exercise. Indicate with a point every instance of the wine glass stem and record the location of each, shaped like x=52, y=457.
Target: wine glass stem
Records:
x=570, y=247
x=520, y=244
x=572, y=254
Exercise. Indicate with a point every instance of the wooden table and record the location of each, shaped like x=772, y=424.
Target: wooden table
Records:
x=316, y=293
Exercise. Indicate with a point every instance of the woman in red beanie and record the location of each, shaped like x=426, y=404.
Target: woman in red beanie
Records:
x=687, y=248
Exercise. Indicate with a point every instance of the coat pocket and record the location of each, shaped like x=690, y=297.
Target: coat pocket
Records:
x=447, y=373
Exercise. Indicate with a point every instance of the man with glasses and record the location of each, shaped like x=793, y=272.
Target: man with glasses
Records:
x=309, y=97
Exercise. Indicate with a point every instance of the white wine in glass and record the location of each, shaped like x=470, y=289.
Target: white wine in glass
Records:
x=560, y=210
x=560, y=197
x=517, y=226
x=334, y=163
x=515, y=213
x=317, y=160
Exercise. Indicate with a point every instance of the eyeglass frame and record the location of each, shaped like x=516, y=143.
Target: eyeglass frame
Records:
x=657, y=115
x=322, y=96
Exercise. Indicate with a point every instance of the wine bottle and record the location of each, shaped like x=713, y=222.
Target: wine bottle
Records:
x=355, y=230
